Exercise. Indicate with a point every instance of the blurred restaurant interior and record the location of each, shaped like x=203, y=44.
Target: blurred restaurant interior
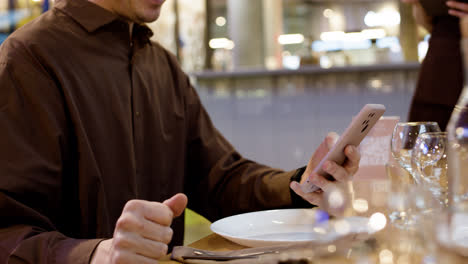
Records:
x=277, y=75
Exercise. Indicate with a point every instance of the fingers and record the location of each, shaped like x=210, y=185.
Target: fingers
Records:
x=319, y=153
x=177, y=203
x=458, y=9
x=320, y=181
x=161, y=213
x=331, y=139
x=348, y=169
x=456, y=13
x=153, y=211
x=131, y=242
x=313, y=197
x=143, y=230
x=132, y=223
x=353, y=157
x=338, y=172
x=156, y=232
x=458, y=5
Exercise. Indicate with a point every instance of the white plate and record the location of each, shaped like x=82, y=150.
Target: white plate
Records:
x=286, y=226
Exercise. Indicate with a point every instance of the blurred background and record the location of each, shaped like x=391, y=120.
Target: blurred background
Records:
x=277, y=75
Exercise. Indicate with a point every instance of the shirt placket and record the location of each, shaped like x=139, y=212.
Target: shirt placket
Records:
x=136, y=108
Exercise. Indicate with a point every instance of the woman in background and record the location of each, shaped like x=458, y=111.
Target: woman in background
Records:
x=441, y=75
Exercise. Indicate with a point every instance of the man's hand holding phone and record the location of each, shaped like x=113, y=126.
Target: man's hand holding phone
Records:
x=341, y=173
x=337, y=158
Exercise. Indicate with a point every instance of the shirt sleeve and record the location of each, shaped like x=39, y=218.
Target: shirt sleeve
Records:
x=220, y=182
x=32, y=144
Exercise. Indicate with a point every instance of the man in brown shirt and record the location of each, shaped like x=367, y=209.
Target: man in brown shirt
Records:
x=98, y=125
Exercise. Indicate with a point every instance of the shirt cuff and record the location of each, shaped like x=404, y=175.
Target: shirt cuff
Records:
x=77, y=251
x=296, y=200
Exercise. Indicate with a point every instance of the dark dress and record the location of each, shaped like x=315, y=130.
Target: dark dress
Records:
x=441, y=76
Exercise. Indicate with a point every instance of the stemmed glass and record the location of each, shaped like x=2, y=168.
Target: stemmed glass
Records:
x=403, y=140
x=429, y=164
x=404, y=137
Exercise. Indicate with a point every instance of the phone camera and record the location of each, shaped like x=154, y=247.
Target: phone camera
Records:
x=364, y=128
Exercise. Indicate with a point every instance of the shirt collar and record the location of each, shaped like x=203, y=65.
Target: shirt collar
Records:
x=87, y=14
x=92, y=16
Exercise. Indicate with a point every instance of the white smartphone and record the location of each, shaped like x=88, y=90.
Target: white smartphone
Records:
x=361, y=124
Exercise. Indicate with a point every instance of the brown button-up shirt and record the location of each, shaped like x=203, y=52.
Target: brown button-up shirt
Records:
x=91, y=117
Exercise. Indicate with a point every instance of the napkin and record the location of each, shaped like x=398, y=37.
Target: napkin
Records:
x=295, y=253
x=375, y=150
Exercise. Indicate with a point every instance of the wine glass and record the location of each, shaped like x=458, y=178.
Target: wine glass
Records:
x=404, y=137
x=398, y=202
x=429, y=164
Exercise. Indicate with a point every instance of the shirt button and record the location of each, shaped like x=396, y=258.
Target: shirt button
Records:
x=137, y=113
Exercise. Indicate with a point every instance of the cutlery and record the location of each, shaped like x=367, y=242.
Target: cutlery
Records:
x=224, y=256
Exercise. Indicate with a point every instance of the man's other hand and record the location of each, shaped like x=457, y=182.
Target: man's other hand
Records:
x=341, y=173
x=458, y=9
x=142, y=232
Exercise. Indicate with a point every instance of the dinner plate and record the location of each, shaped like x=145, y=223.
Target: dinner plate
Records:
x=287, y=226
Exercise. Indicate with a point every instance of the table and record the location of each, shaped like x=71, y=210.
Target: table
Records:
x=217, y=243
x=375, y=191
x=363, y=188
